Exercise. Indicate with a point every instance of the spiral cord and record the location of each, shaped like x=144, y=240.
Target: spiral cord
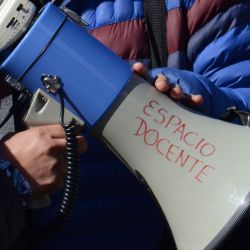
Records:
x=71, y=185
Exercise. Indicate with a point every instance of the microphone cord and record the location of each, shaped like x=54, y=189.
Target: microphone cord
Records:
x=71, y=186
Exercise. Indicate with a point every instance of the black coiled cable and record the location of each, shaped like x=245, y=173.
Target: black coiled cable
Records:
x=71, y=186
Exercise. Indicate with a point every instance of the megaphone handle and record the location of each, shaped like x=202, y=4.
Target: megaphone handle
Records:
x=71, y=124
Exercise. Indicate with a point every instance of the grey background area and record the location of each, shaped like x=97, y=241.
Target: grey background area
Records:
x=4, y=108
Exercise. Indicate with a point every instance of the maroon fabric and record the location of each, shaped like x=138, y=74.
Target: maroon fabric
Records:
x=176, y=31
x=127, y=39
x=203, y=11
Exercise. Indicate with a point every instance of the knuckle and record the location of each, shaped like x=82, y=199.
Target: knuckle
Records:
x=54, y=183
x=37, y=131
x=50, y=147
x=54, y=163
x=51, y=181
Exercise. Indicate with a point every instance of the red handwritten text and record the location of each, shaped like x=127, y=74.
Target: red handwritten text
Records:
x=179, y=155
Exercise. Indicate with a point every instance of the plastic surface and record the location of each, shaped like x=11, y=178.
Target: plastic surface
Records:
x=44, y=110
x=190, y=162
x=91, y=74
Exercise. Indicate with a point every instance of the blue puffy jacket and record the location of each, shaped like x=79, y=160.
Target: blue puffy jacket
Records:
x=208, y=44
x=208, y=40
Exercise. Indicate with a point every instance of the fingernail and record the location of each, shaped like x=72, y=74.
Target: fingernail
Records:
x=177, y=84
x=161, y=77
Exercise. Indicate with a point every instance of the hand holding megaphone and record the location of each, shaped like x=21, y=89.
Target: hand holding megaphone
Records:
x=39, y=154
x=163, y=84
x=188, y=160
x=194, y=90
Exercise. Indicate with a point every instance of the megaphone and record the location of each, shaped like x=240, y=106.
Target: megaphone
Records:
x=196, y=167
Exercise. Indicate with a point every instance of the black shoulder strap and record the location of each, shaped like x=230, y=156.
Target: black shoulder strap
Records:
x=155, y=17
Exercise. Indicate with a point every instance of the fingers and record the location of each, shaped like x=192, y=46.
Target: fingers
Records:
x=189, y=100
x=62, y=165
x=59, y=169
x=82, y=145
x=193, y=100
x=39, y=153
x=140, y=69
x=175, y=91
x=162, y=83
x=81, y=148
x=54, y=131
x=57, y=133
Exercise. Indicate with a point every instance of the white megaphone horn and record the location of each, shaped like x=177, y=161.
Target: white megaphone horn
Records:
x=198, y=168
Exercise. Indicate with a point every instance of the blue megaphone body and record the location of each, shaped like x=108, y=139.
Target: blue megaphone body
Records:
x=55, y=37
x=178, y=153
